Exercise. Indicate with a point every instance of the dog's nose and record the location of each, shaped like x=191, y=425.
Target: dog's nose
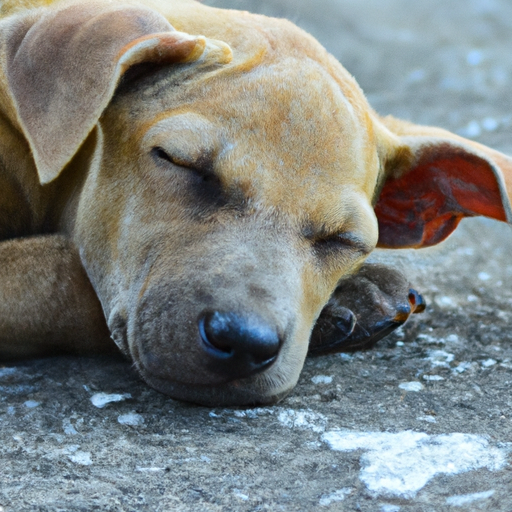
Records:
x=238, y=346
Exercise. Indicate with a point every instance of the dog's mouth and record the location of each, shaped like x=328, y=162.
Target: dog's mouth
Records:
x=251, y=392
x=232, y=359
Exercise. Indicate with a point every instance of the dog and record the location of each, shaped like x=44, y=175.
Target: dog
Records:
x=203, y=186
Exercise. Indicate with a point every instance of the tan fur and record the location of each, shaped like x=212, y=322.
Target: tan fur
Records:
x=274, y=149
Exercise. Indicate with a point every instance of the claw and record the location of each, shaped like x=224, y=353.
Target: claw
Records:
x=418, y=303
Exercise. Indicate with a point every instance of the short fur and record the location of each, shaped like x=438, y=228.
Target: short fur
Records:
x=179, y=159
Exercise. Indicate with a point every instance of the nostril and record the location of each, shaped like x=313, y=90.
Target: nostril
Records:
x=212, y=328
x=247, y=342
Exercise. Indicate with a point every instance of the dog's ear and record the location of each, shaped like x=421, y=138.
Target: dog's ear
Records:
x=63, y=67
x=432, y=179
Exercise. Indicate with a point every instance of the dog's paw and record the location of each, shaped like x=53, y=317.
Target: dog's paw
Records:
x=363, y=309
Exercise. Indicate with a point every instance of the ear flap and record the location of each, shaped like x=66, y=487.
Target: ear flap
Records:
x=433, y=180
x=63, y=68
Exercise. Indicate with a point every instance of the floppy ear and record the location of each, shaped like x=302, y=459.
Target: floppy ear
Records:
x=63, y=66
x=433, y=179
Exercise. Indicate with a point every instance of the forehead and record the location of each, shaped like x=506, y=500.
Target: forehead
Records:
x=286, y=129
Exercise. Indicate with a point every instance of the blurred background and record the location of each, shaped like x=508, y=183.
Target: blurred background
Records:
x=441, y=62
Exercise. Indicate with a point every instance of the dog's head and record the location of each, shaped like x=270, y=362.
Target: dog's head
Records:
x=220, y=187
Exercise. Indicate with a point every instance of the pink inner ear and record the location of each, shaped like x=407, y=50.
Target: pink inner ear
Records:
x=425, y=205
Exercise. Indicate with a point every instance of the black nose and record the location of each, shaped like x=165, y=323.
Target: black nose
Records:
x=238, y=346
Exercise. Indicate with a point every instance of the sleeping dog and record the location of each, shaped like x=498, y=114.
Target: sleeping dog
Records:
x=203, y=187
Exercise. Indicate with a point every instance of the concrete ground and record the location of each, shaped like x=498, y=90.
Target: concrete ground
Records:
x=421, y=423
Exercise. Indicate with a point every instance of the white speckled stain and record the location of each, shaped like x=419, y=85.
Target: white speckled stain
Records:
x=302, y=419
x=30, y=404
x=321, y=379
x=401, y=464
x=465, y=499
x=439, y=358
x=291, y=418
x=100, y=400
x=68, y=428
x=82, y=458
x=339, y=495
x=240, y=495
x=445, y=302
x=433, y=378
x=132, y=419
x=411, y=386
x=427, y=418
x=462, y=367
x=389, y=508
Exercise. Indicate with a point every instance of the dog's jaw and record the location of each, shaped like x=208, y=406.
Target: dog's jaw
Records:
x=262, y=389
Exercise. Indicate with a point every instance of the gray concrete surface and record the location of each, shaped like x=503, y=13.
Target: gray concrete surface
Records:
x=435, y=396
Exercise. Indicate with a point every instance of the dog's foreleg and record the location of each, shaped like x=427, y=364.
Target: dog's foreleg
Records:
x=363, y=309
x=47, y=304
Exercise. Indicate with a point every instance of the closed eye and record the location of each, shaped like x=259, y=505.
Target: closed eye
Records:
x=201, y=166
x=160, y=154
x=327, y=244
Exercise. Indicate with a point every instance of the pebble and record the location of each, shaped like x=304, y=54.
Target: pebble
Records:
x=82, y=458
x=389, y=508
x=445, y=302
x=411, y=386
x=100, y=400
x=132, y=419
x=427, y=418
x=321, y=379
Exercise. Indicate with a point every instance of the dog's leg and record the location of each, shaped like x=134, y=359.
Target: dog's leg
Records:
x=47, y=304
x=363, y=309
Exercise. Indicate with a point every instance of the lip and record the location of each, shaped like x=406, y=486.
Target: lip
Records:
x=241, y=392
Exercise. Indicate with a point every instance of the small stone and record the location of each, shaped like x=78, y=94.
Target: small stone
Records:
x=428, y=419
x=82, y=458
x=321, y=379
x=132, y=419
x=445, y=302
x=389, y=508
x=413, y=386
x=100, y=400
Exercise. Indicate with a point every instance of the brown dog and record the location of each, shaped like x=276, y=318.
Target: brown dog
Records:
x=217, y=190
